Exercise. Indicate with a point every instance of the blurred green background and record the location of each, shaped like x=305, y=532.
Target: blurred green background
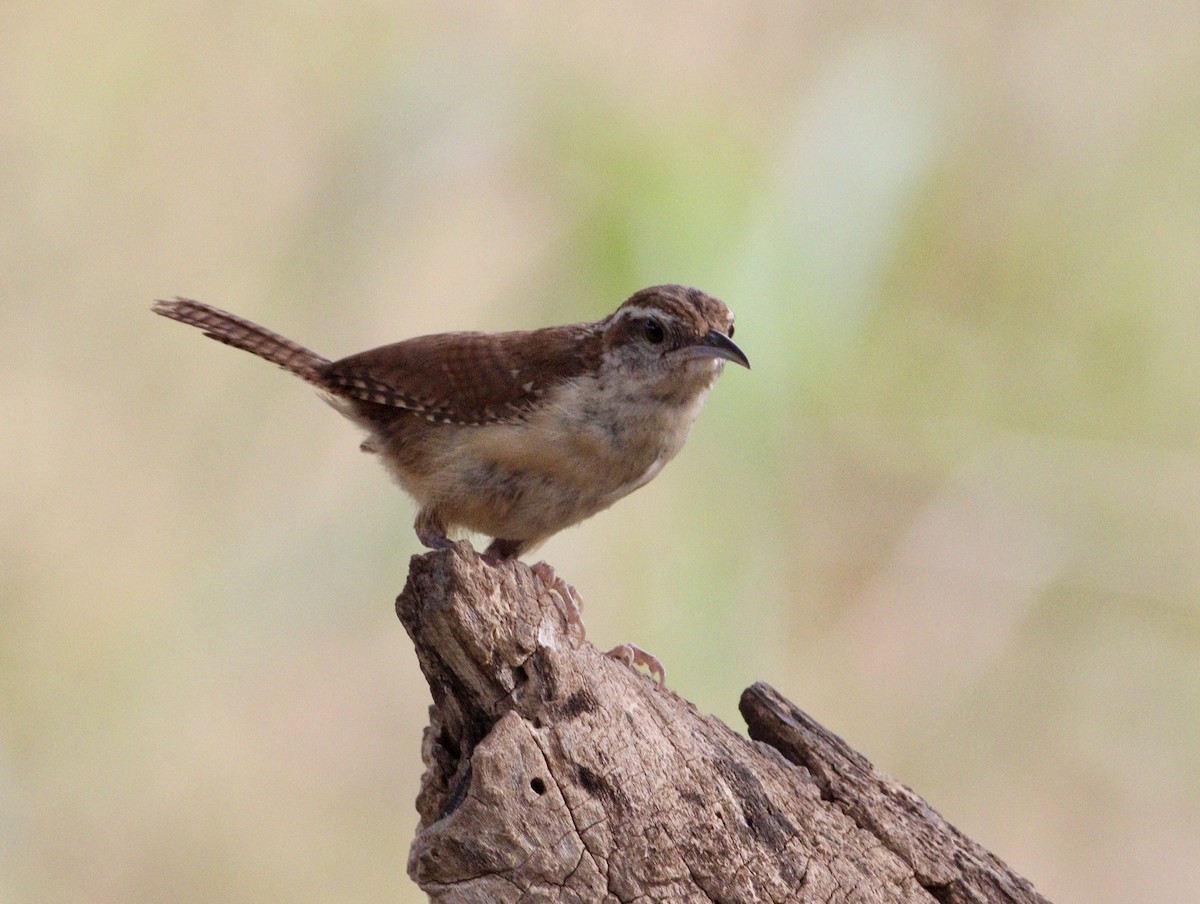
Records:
x=954, y=510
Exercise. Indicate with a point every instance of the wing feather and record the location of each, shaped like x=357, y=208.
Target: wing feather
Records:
x=466, y=378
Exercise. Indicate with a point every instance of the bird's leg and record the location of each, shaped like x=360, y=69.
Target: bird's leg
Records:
x=633, y=656
x=567, y=596
x=431, y=531
x=500, y=548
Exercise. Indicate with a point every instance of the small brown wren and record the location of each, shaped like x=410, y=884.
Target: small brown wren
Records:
x=517, y=435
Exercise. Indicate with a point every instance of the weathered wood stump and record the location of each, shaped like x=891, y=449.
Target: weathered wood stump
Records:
x=555, y=773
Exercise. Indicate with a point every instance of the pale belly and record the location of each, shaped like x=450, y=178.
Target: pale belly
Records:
x=528, y=481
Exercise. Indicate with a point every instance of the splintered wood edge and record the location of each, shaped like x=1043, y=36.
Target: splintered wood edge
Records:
x=554, y=772
x=947, y=863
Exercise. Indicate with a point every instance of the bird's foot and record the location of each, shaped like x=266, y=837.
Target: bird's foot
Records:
x=633, y=656
x=568, y=597
x=440, y=541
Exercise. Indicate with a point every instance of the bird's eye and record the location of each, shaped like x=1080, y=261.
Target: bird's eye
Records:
x=654, y=331
x=731, y=331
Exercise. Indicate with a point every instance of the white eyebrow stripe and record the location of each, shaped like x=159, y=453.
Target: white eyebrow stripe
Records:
x=628, y=313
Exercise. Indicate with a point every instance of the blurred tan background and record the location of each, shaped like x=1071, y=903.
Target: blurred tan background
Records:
x=954, y=510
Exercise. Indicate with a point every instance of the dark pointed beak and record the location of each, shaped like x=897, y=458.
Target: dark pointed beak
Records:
x=716, y=344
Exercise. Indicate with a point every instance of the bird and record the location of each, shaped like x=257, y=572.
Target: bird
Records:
x=517, y=435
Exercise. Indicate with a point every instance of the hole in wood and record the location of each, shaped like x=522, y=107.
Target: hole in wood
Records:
x=538, y=786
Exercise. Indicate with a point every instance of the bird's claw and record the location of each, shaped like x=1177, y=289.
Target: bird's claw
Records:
x=568, y=597
x=571, y=605
x=633, y=656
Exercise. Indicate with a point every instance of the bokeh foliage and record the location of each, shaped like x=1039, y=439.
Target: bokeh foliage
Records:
x=954, y=510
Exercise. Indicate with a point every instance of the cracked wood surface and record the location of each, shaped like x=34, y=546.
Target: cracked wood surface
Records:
x=554, y=773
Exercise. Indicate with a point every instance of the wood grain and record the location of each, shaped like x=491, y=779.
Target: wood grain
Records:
x=554, y=773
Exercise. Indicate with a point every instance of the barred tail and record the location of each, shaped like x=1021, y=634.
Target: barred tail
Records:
x=248, y=336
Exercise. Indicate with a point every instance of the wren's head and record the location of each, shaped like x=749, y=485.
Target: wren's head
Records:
x=675, y=338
